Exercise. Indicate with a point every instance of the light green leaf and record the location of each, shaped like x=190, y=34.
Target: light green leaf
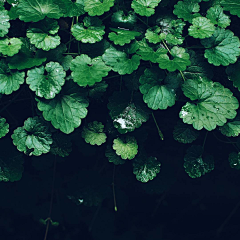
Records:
x=233, y=72
x=36, y=10
x=122, y=36
x=145, y=7
x=154, y=35
x=146, y=169
x=94, y=134
x=10, y=46
x=231, y=128
x=43, y=34
x=126, y=147
x=71, y=8
x=4, y=22
x=223, y=47
x=120, y=62
x=4, y=128
x=67, y=109
x=216, y=15
x=10, y=80
x=213, y=104
x=97, y=7
x=184, y=133
x=113, y=157
x=25, y=58
x=201, y=28
x=231, y=5
x=195, y=164
x=127, y=111
x=180, y=59
x=120, y=19
x=87, y=71
x=48, y=81
x=234, y=160
x=11, y=162
x=156, y=94
x=90, y=31
x=187, y=10
x=33, y=138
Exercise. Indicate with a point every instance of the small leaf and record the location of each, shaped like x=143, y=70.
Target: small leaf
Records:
x=231, y=128
x=97, y=7
x=33, y=138
x=10, y=46
x=113, y=157
x=10, y=80
x=48, y=81
x=154, y=35
x=223, y=47
x=4, y=128
x=195, y=164
x=120, y=19
x=83, y=66
x=145, y=7
x=232, y=6
x=4, y=23
x=146, y=169
x=233, y=72
x=97, y=90
x=234, y=160
x=90, y=31
x=94, y=134
x=126, y=147
x=213, y=104
x=201, y=28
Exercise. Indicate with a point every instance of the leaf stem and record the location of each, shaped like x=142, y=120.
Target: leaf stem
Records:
x=113, y=186
x=143, y=21
x=205, y=138
x=159, y=131
x=182, y=75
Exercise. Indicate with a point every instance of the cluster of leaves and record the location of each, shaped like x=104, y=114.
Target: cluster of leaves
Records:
x=109, y=41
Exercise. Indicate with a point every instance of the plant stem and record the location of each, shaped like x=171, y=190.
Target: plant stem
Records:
x=113, y=186
x=205, y=138
x=159, y=131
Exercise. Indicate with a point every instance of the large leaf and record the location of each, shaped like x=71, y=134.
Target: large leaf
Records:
x=71, y=8
x=87, y=71
x=36, y=10
x=43, y=34
x=33, y=138
x=10, y=80
x=145, y=7
x=4, y=22
x=4, y=127
x=213, y=104
x=67, y=109
x=90, y=31
x=231, y=5
x=223, y=47
x=10, y=46
x=195, y=164
x=127, y=111
x=120, y=62
x=48, y=81
x=97, y=7
x=146, y=169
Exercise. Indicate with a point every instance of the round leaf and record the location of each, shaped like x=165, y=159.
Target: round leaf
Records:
x=71, y=8
x=233, y=72
x=231, y=128
x=232, y=6
x=113, y=157
x=234, y=160
x=4, y=128
x=145, y=7
x=97, y=7
x=4, y=23
x=10, y=46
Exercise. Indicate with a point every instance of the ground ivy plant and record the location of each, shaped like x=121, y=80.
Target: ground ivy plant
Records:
x=135, y=60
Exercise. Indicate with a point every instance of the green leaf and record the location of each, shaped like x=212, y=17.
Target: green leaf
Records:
x=4, y=22
x=4, y=128
x=71, y=8
x=120, y=19
x=127, y=111
x=97, y=90
x=223, y=47
x=83, y=66
x=145, y=7
x=179, y=61
x=90, y=31
x=213, y=104
x=156, y=94
x=10, y=80
x=33, y=138
x=94, y=134
x=146, y=169
x=233, y=72
x=120, y=62
x=113, y=157
x=67, y=109
x=126, y=147
x=201, y=28
x=231, y=128
x=46, y=82
x=36, y=10
x=97, y=7
x=11, y=162
x=25, y=58
x=185, y=10
x=122, y=36
x=232, y=6
x=10, y=46
x=216, y=15
x=154, y=35
x=195, y=164
x=43, y=34
x=234, y=160
x=184, y=133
